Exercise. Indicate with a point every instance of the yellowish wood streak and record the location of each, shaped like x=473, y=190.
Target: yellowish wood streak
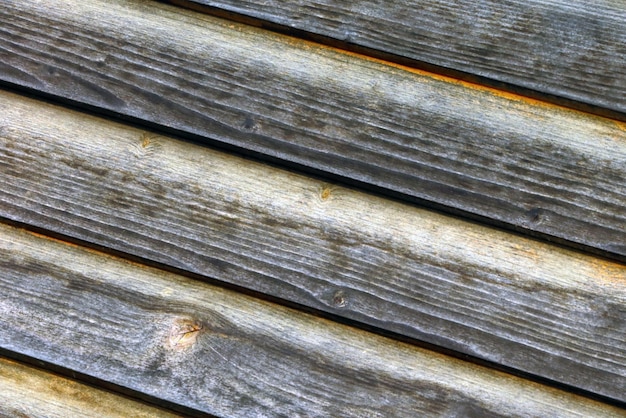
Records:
x=367, y=258
x=235, y=339
x=26, y=391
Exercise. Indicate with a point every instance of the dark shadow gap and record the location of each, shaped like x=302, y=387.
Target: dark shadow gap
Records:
x=313, y=172
x=399, y=59
x=278, y=301
x=103, y=385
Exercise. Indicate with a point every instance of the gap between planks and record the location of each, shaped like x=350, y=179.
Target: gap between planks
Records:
x=219, y=352
x=338, y=299
x=536, y=169
x=27, y=391
x=319, y=29
x=526, y=305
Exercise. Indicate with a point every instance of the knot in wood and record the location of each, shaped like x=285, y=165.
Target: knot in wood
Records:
x=326, y=193
x=183, y=334
x=339, y=299
x=536, y=215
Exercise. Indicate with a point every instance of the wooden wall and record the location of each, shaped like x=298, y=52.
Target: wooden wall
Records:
x=299, y=210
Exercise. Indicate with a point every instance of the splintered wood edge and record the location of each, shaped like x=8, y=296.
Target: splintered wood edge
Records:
x=151, y=198
x=234, y=325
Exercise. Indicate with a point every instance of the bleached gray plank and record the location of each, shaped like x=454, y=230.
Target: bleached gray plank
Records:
x=230, y=355
x=29, y=392
x=574, y=49
x=514, y=301
x=507, y=160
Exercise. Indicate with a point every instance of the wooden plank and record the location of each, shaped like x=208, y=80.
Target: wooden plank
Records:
x=568, y=48
x=231, y=355
x=29, y=392
x=496, y=296
x=529, y=166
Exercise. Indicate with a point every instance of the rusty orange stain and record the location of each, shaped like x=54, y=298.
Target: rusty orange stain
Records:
x=86, y=249
x=620, y=125
x=240, y=22
x=527, y=250
x=447, y=79
x=323, y=48
x=57, y=240
x=609, y=273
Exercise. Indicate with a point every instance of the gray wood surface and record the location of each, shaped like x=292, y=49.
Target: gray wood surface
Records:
x=569, y=48
x=231, y=355
x=497, y=296
x=29, y=392
x=529, y=166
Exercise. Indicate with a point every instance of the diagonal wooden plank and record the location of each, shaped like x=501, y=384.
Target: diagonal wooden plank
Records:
x=231, y=355
x=29, y=392
x=573, y=49
x=500, y=297
x=513, y=162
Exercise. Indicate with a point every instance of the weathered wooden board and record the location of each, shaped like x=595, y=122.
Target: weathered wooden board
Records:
x=497, y=296
x=29, y=392
x=569, y=48
x=529, y=166
x=231, y=355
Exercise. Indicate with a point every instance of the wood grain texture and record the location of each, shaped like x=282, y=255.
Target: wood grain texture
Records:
x=29, y=392
x=570, y=48
x=231, y=355
x=529, y=166
x=500, y=297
